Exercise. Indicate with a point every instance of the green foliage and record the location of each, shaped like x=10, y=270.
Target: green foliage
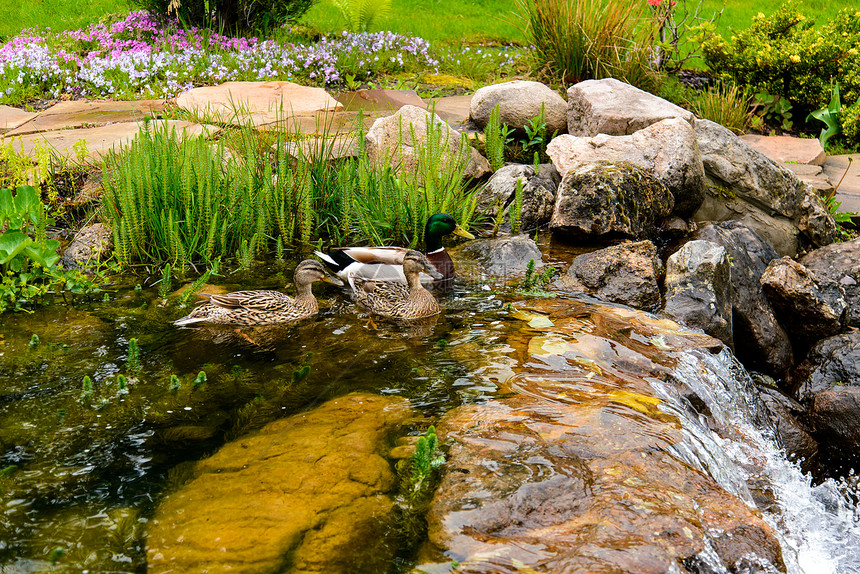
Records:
x=516, y=211
x=725, y=104
x=829, y=116
x=29, y=266
x=360, y=14
x=189, y=202
x=534, y=283
x=771, y=109
x=132, y=364
x=843, y=219
x=850, y=123
x=199, y=380
x=86, y=389
x=229, y=14
x=34, y=341
x=175, y=383
x=425, y=460
x=681, y=25
x=590, y=39
x=496, y=137
x=787, y=55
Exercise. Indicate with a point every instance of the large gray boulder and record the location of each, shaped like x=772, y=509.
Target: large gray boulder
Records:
x=667, y=148
x=612, y=107
x=607, y=198
x=761, y=343
x=699, y=288
x=807, y=310
x=745, y=185
x=395, y=140
x=839, y=265
x=538, y=191
x=519, y=102
x=627, y=273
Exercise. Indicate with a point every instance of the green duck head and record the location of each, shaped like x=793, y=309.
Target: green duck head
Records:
x=440, y=225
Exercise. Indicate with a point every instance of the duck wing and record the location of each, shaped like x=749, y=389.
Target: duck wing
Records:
x=258, y=300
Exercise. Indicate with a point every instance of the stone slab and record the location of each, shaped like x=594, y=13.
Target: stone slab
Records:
x=804, y=169
x=333, y=148
x=11, y=118
x=787, y=148
x=382, y=100
x=88, y=113
x=259, y=103
x=819, y=183
x=101, y=139
x=324, y=124
x=849, y=190
x=452, y=109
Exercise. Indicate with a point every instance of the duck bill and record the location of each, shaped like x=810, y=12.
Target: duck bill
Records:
x=432, y=272
x=333, y=280
x=462, y=232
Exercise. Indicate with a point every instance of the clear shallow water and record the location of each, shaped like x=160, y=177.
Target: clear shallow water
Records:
x=84, y=476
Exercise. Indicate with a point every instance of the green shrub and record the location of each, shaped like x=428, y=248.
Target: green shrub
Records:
x=230, y=14
x=590, y=39
x=787, y=56
x=850, y=120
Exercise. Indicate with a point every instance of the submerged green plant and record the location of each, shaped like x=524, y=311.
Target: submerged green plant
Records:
x=175, y=383
x=34, y=341
x=425, y=460
x=516, y=212
x=199, y=380
x=86, y=389
x=132, y=364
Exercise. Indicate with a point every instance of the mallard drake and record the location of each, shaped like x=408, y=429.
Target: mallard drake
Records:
x=264, y=307
x=386, y=263
x=397, y=300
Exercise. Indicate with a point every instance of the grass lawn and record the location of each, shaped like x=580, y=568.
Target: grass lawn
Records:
x=434, y=20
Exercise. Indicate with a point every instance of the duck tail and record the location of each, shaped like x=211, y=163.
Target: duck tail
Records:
x=336, y=260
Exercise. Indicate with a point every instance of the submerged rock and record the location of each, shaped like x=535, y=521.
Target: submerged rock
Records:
x=308, y=493
x=504, y=257
x=578, y=470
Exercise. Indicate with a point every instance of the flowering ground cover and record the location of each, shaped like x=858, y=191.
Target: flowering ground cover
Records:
x=139, y=57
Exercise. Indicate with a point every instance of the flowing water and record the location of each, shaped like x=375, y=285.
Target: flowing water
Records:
x=82, y=471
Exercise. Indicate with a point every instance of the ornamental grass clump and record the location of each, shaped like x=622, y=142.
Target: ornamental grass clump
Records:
x=725, y=104
x=590, y=39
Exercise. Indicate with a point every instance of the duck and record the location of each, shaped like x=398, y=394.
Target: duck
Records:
x=396, y=300
x=264, y=307
x=386, y=263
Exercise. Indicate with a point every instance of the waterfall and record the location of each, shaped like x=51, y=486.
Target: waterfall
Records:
x=818, y=526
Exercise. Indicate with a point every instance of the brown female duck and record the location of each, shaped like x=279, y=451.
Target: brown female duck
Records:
x=264, y=307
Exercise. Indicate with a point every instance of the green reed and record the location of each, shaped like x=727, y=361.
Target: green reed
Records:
x=185, y=202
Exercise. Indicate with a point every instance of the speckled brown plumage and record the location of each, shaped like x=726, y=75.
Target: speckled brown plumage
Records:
x=264, y=307
x=397, y=300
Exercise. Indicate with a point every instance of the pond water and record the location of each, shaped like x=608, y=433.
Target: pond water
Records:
x=82, y=471
x=82, y=475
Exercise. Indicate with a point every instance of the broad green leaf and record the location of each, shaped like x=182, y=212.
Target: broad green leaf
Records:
x=7, y=207
x=12, y=242
x=44, y=257
x=28, y=204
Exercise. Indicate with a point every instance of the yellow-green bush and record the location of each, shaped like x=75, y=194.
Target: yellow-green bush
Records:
x=789, y=55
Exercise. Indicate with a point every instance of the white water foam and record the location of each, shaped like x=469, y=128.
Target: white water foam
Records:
x=818, y=526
